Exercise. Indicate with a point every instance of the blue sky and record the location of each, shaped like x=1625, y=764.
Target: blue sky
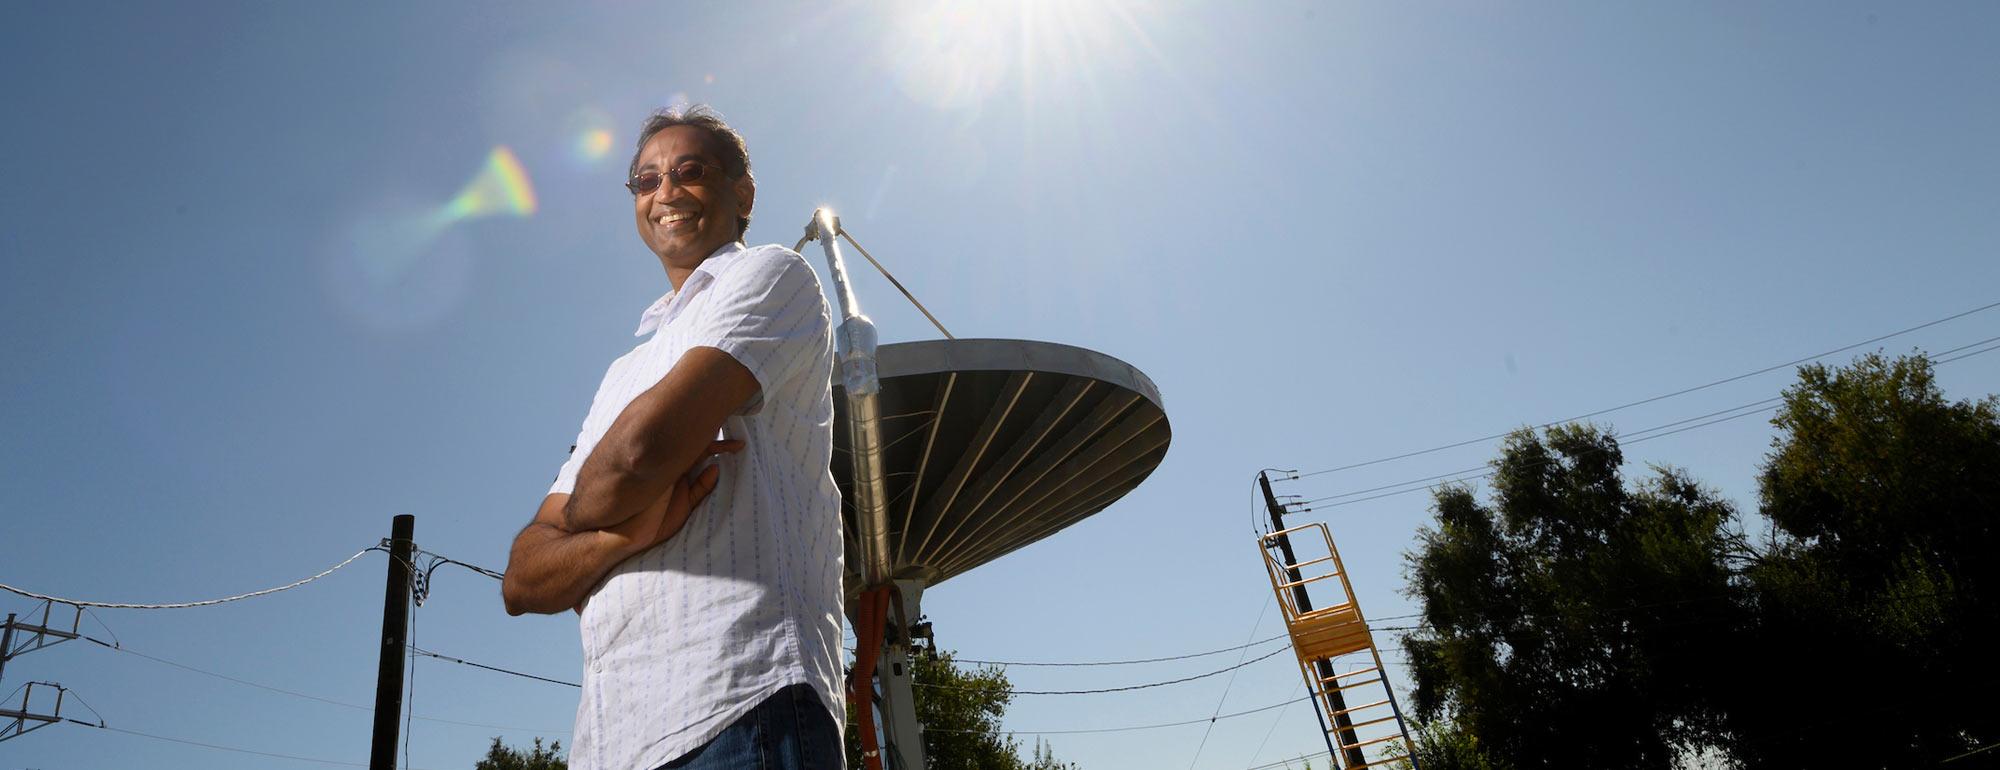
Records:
x=1328, y=232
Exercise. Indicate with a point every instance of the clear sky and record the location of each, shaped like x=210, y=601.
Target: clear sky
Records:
x=239, y=336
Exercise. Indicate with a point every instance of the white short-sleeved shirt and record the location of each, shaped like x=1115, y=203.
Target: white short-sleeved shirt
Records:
x=684, y=638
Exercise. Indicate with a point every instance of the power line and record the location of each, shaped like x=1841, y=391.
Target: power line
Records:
x=464, y=662
x=1131, y=728
x=1275, y=721
x=1147, y=685
x=1226, y=687
x=1121, y=662
x=443, y=559
x=1643, y=401
x=1980, y=750
x=1488, y=473
x=1265, y=640
x=307, y=696
x=220, y=747
x=1634, y=437
x=410, y=698
x=184, y=605
x=1627, y=438
x=1287, y=762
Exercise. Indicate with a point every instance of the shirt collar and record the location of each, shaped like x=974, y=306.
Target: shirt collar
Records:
x=664, y=308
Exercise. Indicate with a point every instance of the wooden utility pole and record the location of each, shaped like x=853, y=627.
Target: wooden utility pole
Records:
x=1324, y=668
x=395, y=626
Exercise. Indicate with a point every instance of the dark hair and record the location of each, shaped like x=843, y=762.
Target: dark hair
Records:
x=727, y=145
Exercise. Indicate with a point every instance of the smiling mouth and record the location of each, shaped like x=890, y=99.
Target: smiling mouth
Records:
x=673, y=217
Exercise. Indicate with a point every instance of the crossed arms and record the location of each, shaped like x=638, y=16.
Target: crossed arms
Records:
x=635, y=490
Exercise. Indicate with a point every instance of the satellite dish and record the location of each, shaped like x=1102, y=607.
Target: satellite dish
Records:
x=990, y=445
x=952, y=453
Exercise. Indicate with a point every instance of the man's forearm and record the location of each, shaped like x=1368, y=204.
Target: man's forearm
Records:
x=659, y=436
x=610, y=491
x=551, y=569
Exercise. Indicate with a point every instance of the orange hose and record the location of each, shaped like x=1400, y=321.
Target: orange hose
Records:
x=870, y=615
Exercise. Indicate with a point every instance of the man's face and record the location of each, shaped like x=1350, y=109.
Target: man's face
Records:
x=684, y=223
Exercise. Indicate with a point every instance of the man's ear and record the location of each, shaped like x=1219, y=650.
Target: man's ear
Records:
x=746, y=191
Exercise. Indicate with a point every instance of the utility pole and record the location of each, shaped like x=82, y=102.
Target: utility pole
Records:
x=1323, y=668
x=6, y=645
x=14, y=722
x=395, y=625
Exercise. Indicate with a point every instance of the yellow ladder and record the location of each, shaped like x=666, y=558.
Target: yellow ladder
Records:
x=1321, y=635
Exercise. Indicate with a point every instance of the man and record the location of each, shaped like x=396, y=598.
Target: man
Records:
x=710, y=636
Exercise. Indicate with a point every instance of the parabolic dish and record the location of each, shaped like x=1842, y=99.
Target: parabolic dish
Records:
x=990, y=445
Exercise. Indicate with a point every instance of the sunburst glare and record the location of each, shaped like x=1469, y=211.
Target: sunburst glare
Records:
x=957, y=54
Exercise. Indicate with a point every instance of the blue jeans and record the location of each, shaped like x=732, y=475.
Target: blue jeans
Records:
x=791, y=730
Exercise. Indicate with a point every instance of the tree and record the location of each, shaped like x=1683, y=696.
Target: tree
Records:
x=1572, y=622
x=1879, y=588
x=1567, y=624
x=500, y=756
x=961, y=710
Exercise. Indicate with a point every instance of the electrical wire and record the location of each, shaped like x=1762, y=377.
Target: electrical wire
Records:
x=1643, y=401
x=1121, y=662
x=1980, y=750
x=1633, y=437
x=443, y=559
x=1130, y=728
x=410, y=697
x=184, y=605
x=219, y=747
x=1275, y=721
x=1288, y=762
x=1488, y=473
x=1636, y=437
x=1226, y=687
x=462, y=661
x=307, y=696
x=1145, y=686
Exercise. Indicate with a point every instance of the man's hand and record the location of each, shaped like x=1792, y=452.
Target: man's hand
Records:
x=665, y=517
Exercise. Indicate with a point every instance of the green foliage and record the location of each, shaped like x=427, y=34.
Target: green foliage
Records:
x=1576, y=622
x=960, y=710
x=1884, y=505
x=500, y=756
x=1441, y=745
x=1564, y=623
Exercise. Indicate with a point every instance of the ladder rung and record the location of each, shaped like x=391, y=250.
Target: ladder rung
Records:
x=1297, y=583
x=1369, y=742
x=1359, y=725
x=1309, y=563
x=1367, y=670
x=1376, y=704
x=1350, y=686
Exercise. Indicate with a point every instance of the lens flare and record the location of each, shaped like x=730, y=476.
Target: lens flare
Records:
x=500, y=189
x=587, y=138
x=402, y=262
x=392, y=266
x=594, y=144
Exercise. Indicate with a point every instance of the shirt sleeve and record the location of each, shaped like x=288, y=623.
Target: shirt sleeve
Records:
x=565, y=482
x=768, y=314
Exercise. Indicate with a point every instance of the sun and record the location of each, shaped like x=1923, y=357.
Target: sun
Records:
x=957, y=55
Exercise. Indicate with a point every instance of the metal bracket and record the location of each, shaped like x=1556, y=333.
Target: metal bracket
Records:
x=15, y=726
x=11, y=647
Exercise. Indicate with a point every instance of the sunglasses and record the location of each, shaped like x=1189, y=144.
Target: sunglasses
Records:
x=690, y=171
